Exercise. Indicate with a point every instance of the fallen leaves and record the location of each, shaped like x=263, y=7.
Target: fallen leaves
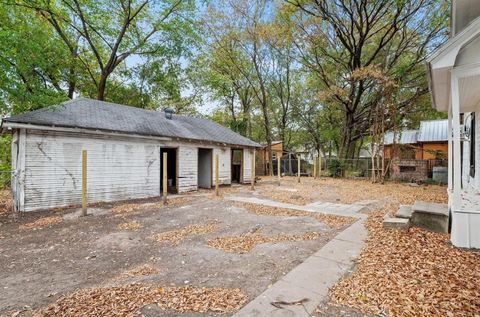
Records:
x=285, y=194
x=332, y=221
x=411, y=273
x=179, y=201
x=132, y=225
x=137, y=207
x=347, y=191
x=5, y=201
x=127, y=208
x=174, y=237
x=142, y=270
x=42, y=222
x=245, y=243
x=129, y=299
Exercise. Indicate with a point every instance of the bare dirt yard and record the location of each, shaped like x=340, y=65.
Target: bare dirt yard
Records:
x=196, y=256
x=203, y=255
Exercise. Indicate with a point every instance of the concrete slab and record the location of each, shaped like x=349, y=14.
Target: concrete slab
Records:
x=396, y=223
x=332, y=209
x=325, y=272
x=356, y=233
x=430, y=216
x=340, y=251
x=405, y=211
x=281, y=292
x=430, y=208
x=310, y=281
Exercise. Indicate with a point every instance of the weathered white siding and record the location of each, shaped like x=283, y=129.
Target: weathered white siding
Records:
x=224, y=164
x=187, y=168
x=118, y=169
x=47, y=167
x=247, y=165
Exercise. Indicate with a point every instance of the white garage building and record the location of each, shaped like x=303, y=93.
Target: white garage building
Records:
x=125, y=146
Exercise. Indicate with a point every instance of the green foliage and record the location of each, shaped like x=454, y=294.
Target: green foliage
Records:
x=335, y=167
x=5, y=160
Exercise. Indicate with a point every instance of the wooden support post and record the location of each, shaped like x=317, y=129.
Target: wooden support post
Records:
x=279, y=167
x=84, y=182
x=315, y=167
x=165, y=178
x=217, y=178
x=298, y=168
x=252, y=172
x=319, y=166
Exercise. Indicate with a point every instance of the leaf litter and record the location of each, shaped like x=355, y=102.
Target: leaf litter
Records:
x=132, y=225
x=132, y=208
x=129, y=299
x=333, y=221
x=411, y=273
x=347, y=191
x=142, y=270
x=41, y=223
x=246, y=243
x=5, y=201
x=174, y=237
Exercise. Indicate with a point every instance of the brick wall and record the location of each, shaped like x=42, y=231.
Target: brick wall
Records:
x=410, y=170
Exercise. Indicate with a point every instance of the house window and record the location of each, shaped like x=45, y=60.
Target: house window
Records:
x=472, y=145
x=274, y=156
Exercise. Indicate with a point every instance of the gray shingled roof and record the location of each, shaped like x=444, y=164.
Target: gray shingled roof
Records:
x=106, y=116
x=402, y=137
x=433, y=131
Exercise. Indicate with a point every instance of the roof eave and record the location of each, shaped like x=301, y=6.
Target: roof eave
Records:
x=7, y=125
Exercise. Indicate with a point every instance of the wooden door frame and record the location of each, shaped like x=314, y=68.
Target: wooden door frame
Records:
x=176, y=166
x=211, y=165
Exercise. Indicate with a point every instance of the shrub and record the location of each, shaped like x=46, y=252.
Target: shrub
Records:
x=335, y=167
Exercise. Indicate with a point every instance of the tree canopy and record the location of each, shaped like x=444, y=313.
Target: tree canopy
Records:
x=315, y=74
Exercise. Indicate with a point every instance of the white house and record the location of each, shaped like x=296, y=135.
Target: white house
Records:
x=125, y=147
x=454, y=79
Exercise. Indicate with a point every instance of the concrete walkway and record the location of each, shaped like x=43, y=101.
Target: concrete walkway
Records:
x=310, y=281
x=327, y=208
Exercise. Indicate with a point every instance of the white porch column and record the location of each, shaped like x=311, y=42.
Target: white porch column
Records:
x=457, y=163
x=450, y=149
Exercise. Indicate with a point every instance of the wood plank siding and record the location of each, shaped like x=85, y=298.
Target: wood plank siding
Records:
x=118, y=169
x=47, y=167
x=187, y=168
x=247, y=165
x=224, y=163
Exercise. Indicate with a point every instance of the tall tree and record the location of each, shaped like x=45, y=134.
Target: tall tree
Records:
x=103, y=34
x=337, y=38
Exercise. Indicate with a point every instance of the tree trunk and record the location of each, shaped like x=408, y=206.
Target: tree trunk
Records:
x=71, y=82
x=101, y=87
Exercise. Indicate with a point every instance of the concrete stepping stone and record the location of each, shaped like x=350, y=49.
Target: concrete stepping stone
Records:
x=396, y=223
x=404, y=211
x=430, y=216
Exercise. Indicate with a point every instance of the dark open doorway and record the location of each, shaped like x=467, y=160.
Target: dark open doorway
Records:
x=171, y=169
x=237, y=159
x=205, y=168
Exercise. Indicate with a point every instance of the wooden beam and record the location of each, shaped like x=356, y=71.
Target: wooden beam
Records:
x=252, y=172
x=319, y=166
x=84, y=182
x=279, y=167
x=217, y=176
x=298, y=168
x=164, y=178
